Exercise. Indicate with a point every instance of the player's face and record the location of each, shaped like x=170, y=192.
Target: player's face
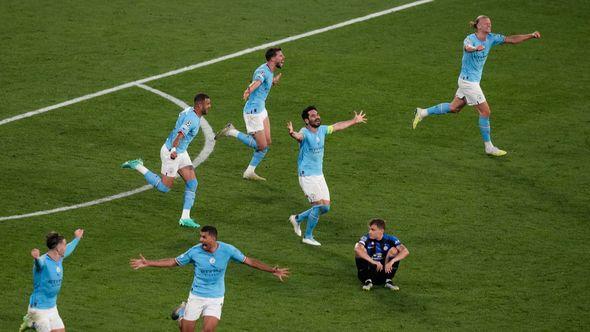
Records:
x=207, y=240
x=61, y=248
x=484, y=25
x=375, y=232
x=279, y=59
x=314, y=119
x=205, y=105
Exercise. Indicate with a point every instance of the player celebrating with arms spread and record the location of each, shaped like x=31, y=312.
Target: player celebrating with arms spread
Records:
x=309, y=167
x=42, y=314
x=255, y=113
x=210, y=259
x=175, y=158
x=476, y=48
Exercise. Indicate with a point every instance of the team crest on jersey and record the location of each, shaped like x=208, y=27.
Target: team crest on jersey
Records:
x=57, y=269
x=212, y=260
x=317, y=139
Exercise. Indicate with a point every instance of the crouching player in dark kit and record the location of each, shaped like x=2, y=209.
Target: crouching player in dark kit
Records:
x=377, y=256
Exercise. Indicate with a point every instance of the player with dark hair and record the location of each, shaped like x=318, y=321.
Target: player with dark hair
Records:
x=210, y=259
x=175, y=158
x=377, y=256
x=476, y=48
x=257, y=134
x=310, y=167
x=42, y=313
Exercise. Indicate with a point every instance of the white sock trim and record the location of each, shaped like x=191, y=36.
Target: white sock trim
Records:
x=141, y=169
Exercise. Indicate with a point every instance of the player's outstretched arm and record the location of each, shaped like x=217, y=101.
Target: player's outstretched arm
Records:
x=517, y=39
x=276, y=271
x=74, y=243
x=141, y=262
x=358, y=118
x=296, y=135
x=253, y=86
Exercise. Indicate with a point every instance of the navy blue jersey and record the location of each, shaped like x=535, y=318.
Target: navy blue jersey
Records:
x=378, y=249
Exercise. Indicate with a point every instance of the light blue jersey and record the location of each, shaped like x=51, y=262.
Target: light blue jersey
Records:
x=47, y=278
x=311, y=151
x=210, y=268
x=256, y=102
x=473, y=62
x=188, y=123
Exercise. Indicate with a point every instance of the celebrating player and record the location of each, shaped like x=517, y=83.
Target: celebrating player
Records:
x=476, y=48
x=255, y=113
x=377, y=256
x=309, y=167
x=175, y=158
x=42, y=314
x=210, y=259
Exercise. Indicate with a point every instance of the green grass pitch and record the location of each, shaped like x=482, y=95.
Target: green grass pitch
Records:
x=496, y=244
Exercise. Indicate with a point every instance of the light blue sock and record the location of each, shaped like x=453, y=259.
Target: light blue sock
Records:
x=156, y=181
x=484, y=128
x=303, y=215
x=439, y=109
x=312, y=221
x=258, y=156
x=248, y=140
x=189, y=194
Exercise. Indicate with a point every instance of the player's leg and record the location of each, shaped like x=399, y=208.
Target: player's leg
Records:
x=212, y=313
x=389, y=276
x=210, y=323
x=263, y=140
x=319, y=190
x=190, y=191
x=365, y=272
x=169, y=169
x=485, y=130
x=192, y=311
x=454, y=106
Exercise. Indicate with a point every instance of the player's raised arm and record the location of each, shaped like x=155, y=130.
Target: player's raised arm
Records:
x=39, y=264
x=517, y=39
x=141, y=262
x=276, y=271
x=296, y=135
x=358, y=118
x=74, y=243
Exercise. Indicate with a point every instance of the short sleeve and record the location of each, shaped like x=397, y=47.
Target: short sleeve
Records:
x=498, y=39
x=363, y=239
x=467, y=42
x=259, y=75
x=186, y=127
x=236, y=254
x=184, y=258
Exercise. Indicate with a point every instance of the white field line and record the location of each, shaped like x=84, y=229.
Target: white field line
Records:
x=210, y=62
x=205, y=152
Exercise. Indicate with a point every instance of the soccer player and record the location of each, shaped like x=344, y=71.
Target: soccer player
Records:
x=175, y=158
x=309, y=167
x=257, y=134
x=210, y=259
x=42, y=313
x=377, y=256
x=476, y=48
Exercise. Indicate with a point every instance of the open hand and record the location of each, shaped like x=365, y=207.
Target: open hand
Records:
x=138, y=263
x=281, y=273
x=360, y=117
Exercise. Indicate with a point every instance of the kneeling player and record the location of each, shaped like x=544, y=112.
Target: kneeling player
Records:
x=378, y=255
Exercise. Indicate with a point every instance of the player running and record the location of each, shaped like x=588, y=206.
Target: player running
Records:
x=210, y=259
x=309, y=167
x=255, y=113
x=175, y=158
x=42, y=314
x=476, y=48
